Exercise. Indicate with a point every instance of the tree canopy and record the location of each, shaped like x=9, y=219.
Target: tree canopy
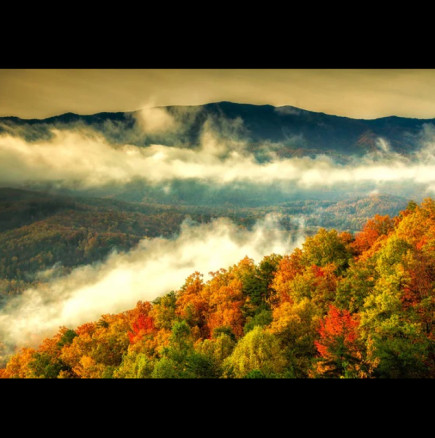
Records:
x=341, y=306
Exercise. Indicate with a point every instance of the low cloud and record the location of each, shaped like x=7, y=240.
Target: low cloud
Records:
x=84, y=159
x=288, y=110
x=154, y=120
x=155, y=267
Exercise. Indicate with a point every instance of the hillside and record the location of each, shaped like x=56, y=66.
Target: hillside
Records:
x=342, y=306
x=39, y=231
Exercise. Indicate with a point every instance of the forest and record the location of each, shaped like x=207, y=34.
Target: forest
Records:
x=40, y=230
x=343, y=305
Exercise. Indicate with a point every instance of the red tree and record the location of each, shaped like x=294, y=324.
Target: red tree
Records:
x=338, y=349
x=143, y=325
x=373, y=229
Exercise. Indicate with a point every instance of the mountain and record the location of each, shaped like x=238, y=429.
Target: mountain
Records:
x=289, y=130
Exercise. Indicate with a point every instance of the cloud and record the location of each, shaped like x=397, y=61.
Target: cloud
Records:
x=154, y=120
x=288, y=110
x=84, y=159
x=383, y=145
x=153, y=268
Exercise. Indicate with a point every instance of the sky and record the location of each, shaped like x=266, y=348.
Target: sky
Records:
x=357, y=93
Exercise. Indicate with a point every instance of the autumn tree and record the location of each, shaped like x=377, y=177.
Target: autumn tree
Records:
x=340, y=354
x=379, y=226
x=225, y=300
x=353, y=289
x=296, y=327
x=18, y=365
x=98, y=348
x=191, y=305
x=317, y=283
x=326, y=247
x=288, y=267
x=143, y=326
x=163, y=311
x=217, y=348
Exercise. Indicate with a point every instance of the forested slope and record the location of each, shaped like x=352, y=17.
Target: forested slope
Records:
x=45, y=231
x=341, y=306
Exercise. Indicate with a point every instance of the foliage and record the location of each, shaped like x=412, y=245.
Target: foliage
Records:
x=261, y=319
x=339, y=307
x=337, y=346
x=258, y=350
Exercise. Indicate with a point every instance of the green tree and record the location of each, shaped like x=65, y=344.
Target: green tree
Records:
x=358, y=283
x=217, y=349
x=296, y=327
x=135, y=366
x=398, y=344
x=45, y=366
x=261, y=319
x=257, y=280
x=326, y=247
x=163, y=311
x=180, y=360
x=258, y=350
x=67, y=338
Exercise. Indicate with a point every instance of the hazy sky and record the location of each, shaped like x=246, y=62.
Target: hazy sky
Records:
x=353, y=93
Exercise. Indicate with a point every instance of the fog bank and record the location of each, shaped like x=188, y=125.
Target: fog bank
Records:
x=155, y=267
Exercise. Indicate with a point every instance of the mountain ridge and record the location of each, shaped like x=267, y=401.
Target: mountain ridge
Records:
x=100, y=113
x=288, y=131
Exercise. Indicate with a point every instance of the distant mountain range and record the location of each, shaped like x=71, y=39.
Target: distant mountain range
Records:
x=290, y=131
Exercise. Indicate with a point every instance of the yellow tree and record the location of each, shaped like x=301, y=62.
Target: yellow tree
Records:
x=288, y=268
x=296, y=326
x=18, y=365
x=191, y=305
x=224, y=294
x=257, y=354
